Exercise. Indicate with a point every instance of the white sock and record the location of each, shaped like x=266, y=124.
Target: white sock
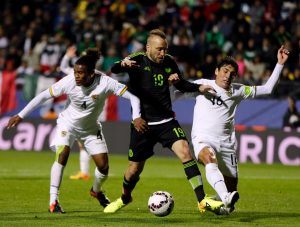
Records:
x=216, y=180
x=56, y=177
x=84, y=159
x=99, y=180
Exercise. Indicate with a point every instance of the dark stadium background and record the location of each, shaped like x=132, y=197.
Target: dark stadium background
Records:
x=35, y=34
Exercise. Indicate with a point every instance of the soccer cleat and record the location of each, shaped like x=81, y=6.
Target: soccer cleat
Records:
x=209, y=204
x=114, y=206
x=225, y=210
x=56, y=208
x=231, y=198
x=101, y=197
x=80, y=176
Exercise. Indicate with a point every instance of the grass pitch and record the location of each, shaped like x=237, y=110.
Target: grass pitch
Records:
x=269, y=194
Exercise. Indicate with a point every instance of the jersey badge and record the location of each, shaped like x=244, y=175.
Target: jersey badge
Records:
x=147, y=68
x=229, y=93
x=168, y=70
x=94, y=97
x=63, y=133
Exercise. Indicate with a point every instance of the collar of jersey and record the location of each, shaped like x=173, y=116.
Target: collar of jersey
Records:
x=222, y=89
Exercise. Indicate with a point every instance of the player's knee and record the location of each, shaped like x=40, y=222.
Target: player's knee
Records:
x=104, y=169
x=207, y=155
x=182, y=150
x=101, y=161
x=62, y=154
x=134, y=169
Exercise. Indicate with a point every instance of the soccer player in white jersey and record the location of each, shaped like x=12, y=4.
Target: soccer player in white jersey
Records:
x=84, y=157
x=86, y=90
x=213, y=132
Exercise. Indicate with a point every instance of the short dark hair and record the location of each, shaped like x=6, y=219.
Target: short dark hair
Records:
x=228, y=60
x=89, y=58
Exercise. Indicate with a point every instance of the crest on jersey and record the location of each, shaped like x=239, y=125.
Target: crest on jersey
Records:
x=229, y=93
x=95, y=97
x=63, y=133
x=147, y=68
x=168, y=70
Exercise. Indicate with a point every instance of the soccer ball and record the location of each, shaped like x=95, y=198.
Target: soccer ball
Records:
x=161, y=203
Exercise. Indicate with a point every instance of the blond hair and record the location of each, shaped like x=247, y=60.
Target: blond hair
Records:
x=156, y=32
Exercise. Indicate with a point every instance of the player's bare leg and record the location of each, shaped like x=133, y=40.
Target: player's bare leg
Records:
x=131, y=177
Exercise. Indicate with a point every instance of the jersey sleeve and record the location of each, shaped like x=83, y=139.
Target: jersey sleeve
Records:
x=174, y=66
x=64, y=65
x=268, y=88
x=117, y=68
x=119, y=88
x=199, y=81
x=245, y=91
x=181, y=84
x=112, y=86
x=60, y=87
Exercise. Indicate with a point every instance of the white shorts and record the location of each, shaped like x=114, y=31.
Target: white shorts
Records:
x=93, y=140
x=224, y=149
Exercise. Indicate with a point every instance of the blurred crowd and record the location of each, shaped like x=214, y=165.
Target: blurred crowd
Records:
x=34, y=35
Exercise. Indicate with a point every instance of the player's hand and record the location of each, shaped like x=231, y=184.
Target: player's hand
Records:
x=13, y=121
x=207, y=89
x=140, y=125
x=127, y=63
x=282, y=55
x=71, y=52
x=173, y=78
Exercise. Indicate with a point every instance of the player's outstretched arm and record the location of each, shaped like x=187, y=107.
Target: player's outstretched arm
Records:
x=128, y=63
x=266, y=89
x=282, y=55
x=123, y=65
x=186, y=86
x=64, y=64
x=35, y=102
x=139, y=123
x=204, y=89
x=13, y=121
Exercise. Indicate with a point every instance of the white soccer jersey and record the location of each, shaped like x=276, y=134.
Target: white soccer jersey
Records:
x=82, y=111
x=215, y=116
